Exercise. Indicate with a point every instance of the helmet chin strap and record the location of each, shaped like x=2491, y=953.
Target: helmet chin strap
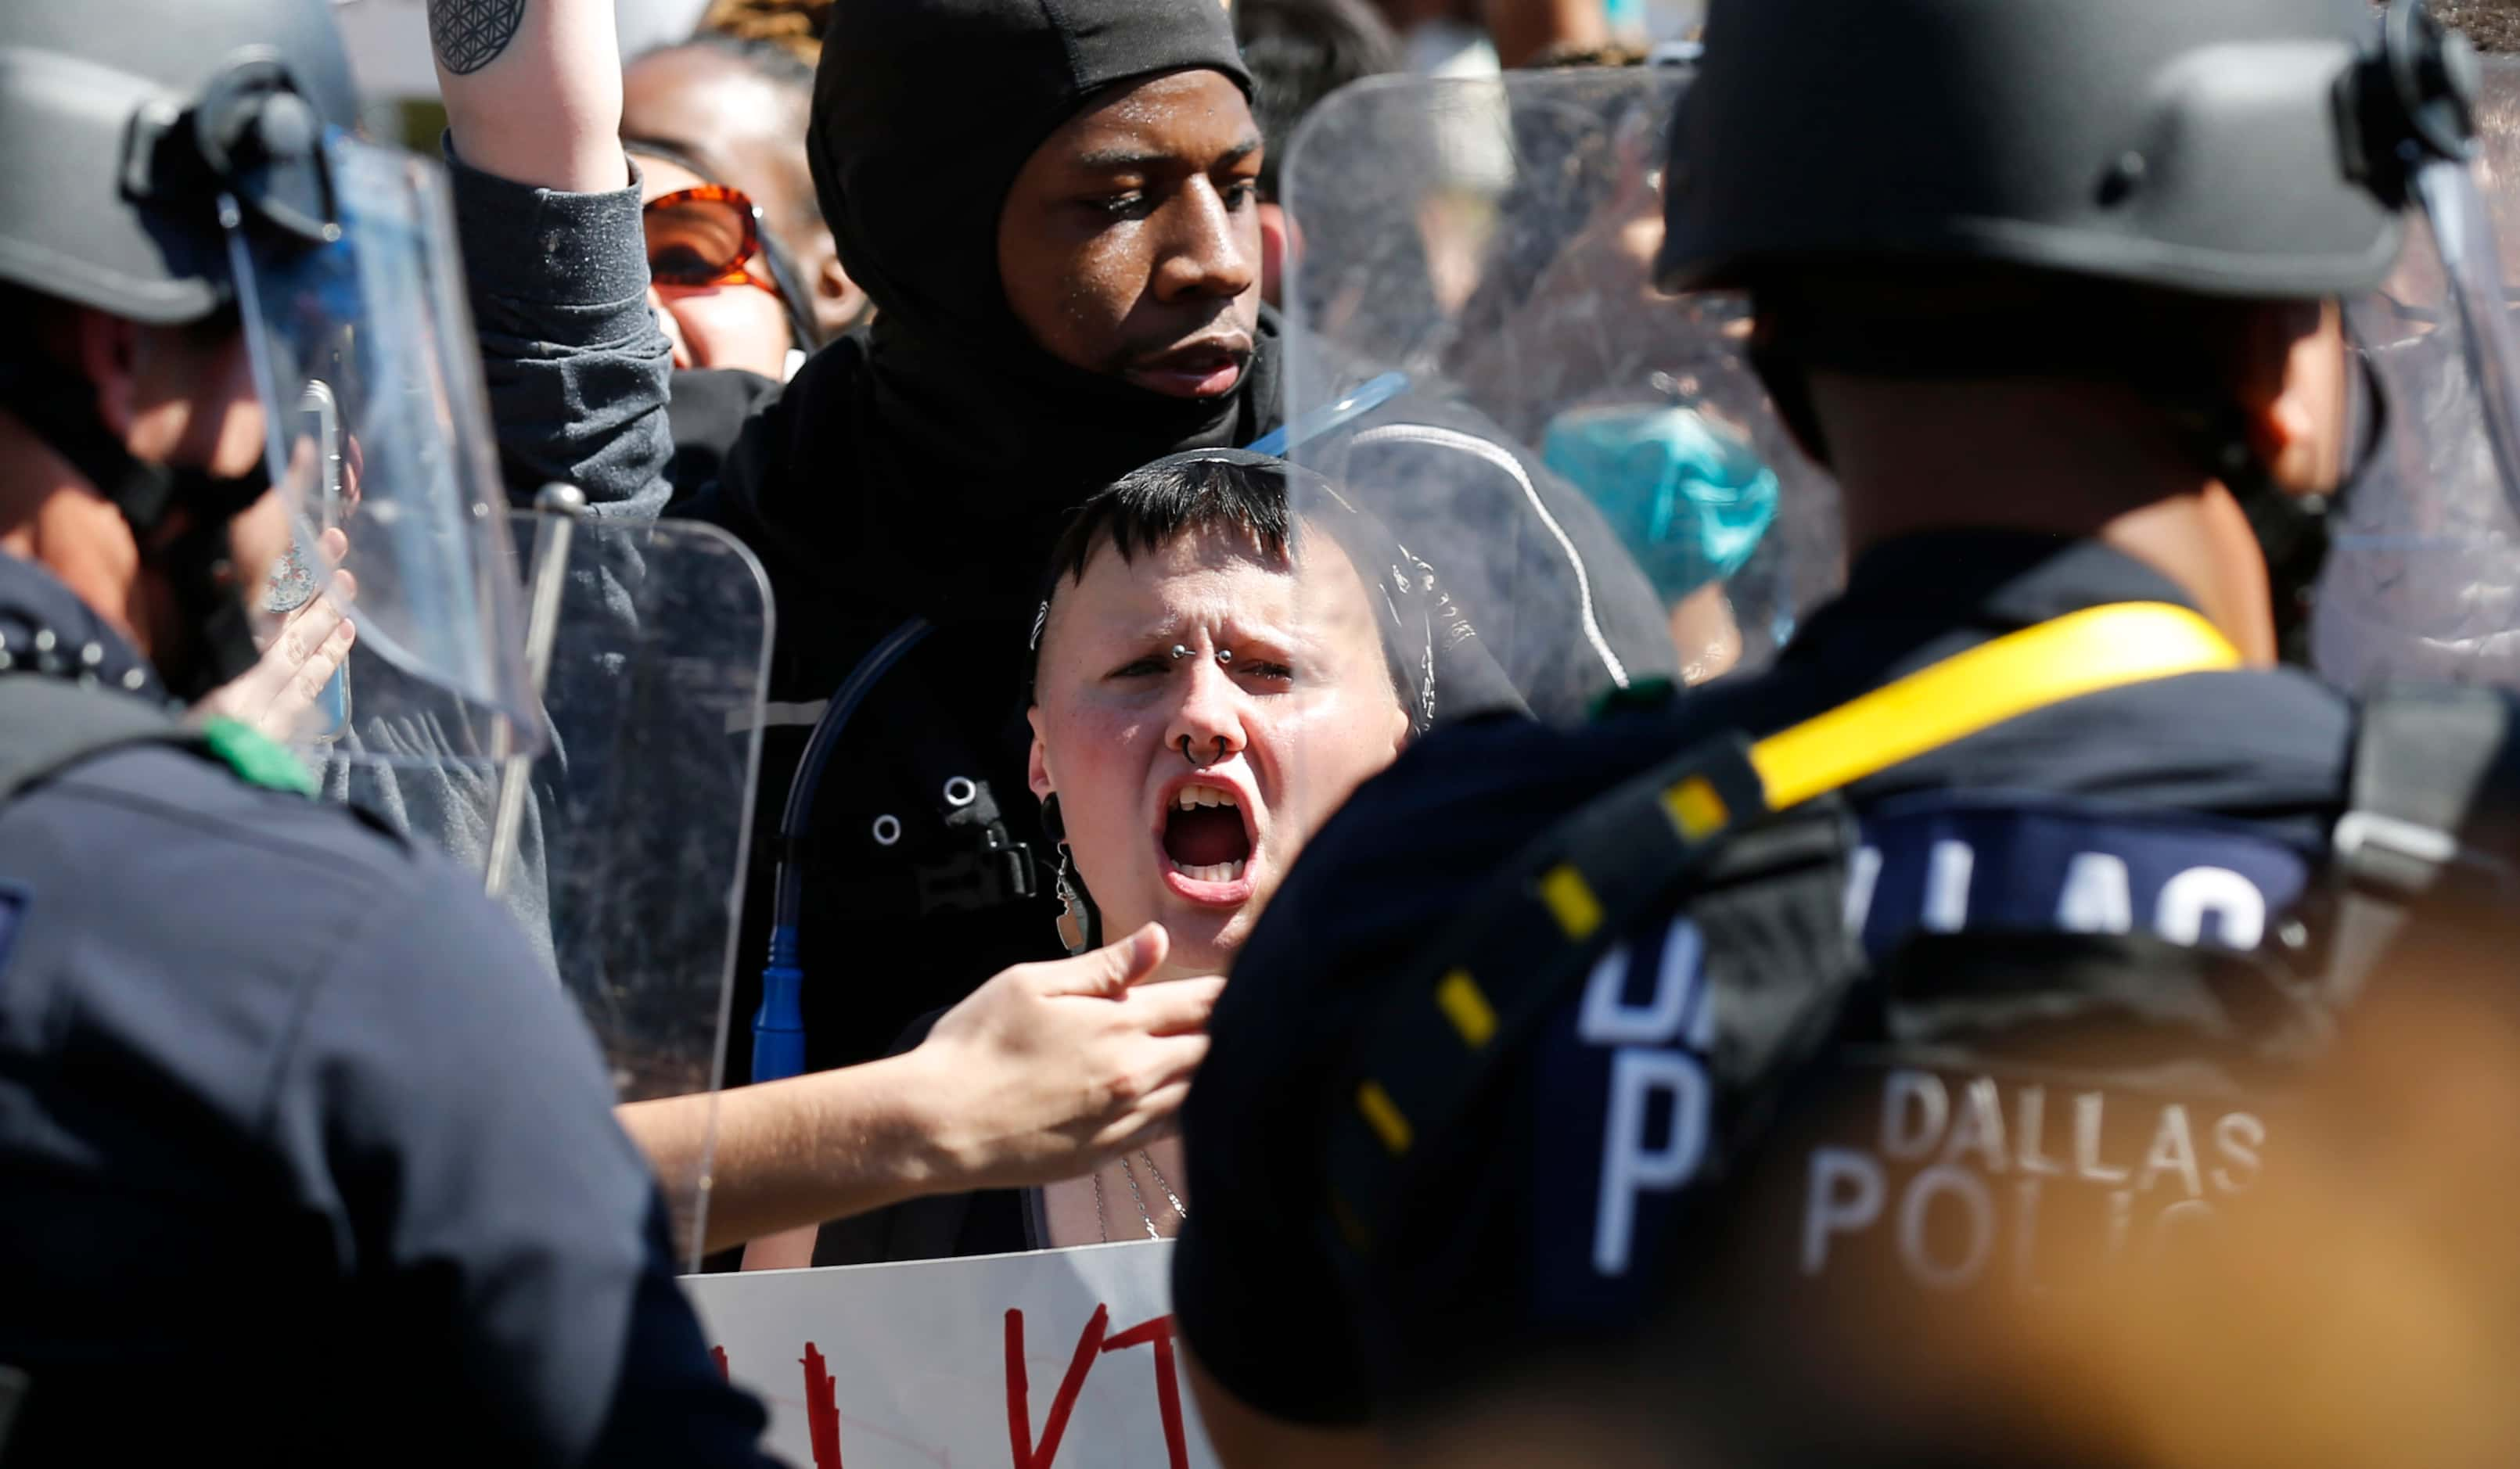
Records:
x=197, y=561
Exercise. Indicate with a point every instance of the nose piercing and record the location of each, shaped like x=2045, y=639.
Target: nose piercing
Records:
x=1195, y=760
x=1181, y=650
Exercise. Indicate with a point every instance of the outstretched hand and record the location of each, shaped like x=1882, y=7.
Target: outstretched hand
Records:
x=1049, y=1070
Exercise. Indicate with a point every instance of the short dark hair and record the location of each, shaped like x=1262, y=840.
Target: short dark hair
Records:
x=1232, y=491
x=1238, y=491
x=1299, y=52
x=1152, y=506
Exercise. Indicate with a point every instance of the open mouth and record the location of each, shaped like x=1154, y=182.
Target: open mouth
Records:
x=1206, y=840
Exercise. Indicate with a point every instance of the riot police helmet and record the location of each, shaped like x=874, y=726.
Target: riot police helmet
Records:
x=116, y=138
x=2257, y=149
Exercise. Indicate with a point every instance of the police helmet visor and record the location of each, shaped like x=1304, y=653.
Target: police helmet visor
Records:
x=379, y=426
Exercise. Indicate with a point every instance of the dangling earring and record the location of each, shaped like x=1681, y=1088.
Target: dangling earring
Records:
x=1075, y=918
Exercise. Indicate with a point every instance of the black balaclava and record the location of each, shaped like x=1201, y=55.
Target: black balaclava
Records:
x=968, y=440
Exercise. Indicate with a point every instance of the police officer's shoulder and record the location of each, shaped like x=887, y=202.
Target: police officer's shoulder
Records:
x=203, y=927
x=183, y=844
x=2251, y=742
x=162, y=793
x=1516, y=771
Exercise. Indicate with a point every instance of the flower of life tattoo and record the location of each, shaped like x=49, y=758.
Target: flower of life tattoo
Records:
x=470, y=34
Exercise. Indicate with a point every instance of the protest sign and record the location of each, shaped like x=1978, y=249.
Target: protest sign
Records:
x=1064, y=1357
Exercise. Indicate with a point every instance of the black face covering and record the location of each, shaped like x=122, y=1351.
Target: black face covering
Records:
x=933, y=455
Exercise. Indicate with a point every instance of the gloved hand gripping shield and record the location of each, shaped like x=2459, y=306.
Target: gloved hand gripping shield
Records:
x=1566, y=425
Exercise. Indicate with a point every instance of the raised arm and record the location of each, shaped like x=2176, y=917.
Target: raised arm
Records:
x=533, y=89
x=554, y=252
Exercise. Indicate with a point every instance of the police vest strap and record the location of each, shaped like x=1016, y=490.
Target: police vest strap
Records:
x=1427, y=1052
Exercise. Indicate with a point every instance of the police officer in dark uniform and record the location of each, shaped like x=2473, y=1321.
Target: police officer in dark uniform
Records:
x=302, y=1155
x=1654, y=1078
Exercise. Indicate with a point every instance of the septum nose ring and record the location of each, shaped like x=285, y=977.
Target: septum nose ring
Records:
x=1195, y=760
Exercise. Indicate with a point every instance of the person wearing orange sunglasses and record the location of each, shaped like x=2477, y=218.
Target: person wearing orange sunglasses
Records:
x=736, y=108
x=721, y=293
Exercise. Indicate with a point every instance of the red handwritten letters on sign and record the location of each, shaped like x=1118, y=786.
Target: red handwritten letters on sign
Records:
x=823, y=1413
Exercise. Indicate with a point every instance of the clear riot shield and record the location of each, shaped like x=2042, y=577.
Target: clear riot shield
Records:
x=619, y=844
x=1493, y=239
x=2422, y=578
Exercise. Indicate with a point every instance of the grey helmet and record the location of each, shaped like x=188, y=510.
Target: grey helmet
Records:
x=121, y=125
x=2239, y=148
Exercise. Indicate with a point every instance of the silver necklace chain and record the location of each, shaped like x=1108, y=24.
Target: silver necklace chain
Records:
x=1169, y=1197
x=1102, y=1220
x=1131, y=1174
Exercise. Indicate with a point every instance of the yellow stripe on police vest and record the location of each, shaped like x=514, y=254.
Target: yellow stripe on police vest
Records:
x=1462, y=1003
x=1383, y=1114
x=2081, y=652
x=1696, y=809
x=1570, y=900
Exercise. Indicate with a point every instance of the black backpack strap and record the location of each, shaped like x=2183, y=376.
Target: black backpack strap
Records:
x=981, y=864
x=1536, y=925
x=47, y=726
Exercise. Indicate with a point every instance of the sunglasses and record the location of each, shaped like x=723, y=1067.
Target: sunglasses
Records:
x=706, y=236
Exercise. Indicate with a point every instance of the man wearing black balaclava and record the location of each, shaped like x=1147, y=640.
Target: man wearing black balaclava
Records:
x=1053, y=207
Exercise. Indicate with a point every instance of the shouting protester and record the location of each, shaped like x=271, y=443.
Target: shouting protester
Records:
x=1212, y=675
x=1055, y=218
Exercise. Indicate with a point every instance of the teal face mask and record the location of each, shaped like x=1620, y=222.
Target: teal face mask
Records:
x=1689, y=500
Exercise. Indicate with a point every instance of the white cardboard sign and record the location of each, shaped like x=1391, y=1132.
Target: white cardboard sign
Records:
x=1060, y=1357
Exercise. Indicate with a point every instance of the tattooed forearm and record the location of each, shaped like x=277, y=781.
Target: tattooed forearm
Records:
x=470, y=34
